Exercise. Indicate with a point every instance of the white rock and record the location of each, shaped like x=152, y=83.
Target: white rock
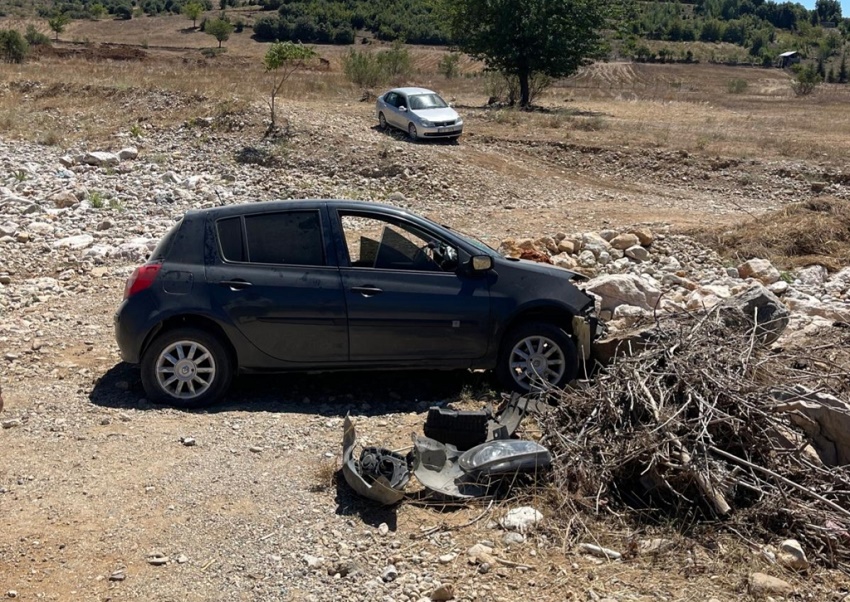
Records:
x=75, y=243
x=447, y=558
x=765, y=585
x=814, y=275
x=129, y=153
x=614, y=290
x=101, y=159
x=760, y=269
x=521, y=519
x=637, y=253
x=780, y=287
x=625, y=241
x=586, y=259
x=564, y=260
x=791, y=555
x=313, y=562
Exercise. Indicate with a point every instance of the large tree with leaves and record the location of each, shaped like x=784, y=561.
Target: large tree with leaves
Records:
x=523, y=37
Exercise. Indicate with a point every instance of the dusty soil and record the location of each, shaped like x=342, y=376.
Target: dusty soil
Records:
x=94, y=479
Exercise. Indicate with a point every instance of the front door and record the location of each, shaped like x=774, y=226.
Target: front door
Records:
x=407, y=299
x=275, y=284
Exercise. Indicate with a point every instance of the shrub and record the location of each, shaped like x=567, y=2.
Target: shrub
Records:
x=449, y=65
x=36, y=38
x=363, y=68
x=736, y=86
x=13, y=46
x=806, y=80
x=395, y=62
x=239, y=26
x=123, y=12
x=266, y=29
x=343, y=36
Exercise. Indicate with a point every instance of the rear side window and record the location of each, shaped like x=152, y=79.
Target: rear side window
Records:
x=230, y=238
x=290, y=238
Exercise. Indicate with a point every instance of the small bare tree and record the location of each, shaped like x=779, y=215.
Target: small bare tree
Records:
x=281, y=61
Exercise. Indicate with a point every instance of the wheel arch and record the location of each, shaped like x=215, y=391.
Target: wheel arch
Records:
x=553, y=314
x=193, y=321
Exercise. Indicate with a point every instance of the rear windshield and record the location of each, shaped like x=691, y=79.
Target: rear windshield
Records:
x=164, y=246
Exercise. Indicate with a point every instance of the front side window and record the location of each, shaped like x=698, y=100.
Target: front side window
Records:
x=379, y=243
x=286, y=238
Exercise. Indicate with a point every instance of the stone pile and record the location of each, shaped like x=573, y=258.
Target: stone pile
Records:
x=635, y=272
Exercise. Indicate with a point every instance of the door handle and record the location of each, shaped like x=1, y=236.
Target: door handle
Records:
x=367, y=291
x=236, y=285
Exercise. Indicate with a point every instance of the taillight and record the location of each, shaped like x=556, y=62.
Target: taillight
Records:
x=141, y=278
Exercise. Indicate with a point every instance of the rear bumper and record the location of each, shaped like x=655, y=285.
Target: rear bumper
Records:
x=130, y=332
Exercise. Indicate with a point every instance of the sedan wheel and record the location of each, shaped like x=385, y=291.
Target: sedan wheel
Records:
x=382, y=121
x=537, y=356
x=186, y=367
x=411, y=131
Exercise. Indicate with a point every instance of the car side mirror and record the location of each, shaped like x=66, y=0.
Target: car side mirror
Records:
x=403, y=109
x=481, y=263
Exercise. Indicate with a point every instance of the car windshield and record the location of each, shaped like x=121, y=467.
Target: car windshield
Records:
x=421, y=102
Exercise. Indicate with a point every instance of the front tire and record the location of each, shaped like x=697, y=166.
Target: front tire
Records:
x=411, y=131
x=537, y=355
x=186, y=368
x=382, y=121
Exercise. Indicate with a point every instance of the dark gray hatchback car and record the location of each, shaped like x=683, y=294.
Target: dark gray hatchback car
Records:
x=341, y=285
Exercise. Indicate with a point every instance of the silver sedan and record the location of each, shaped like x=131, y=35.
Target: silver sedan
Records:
x=420, y=112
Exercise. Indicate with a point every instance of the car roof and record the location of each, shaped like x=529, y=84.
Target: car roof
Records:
x=279, y=205
x=408, y=91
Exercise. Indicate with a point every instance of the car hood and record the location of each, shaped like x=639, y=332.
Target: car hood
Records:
x=446, y=114
x=545, y=268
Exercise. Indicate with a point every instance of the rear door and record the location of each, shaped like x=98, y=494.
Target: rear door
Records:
x=407, y=299
x=277, y=281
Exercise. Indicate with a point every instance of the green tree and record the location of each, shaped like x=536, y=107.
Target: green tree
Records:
x=58, y=22
x=842, y=70
x=806, y=80
x=220, y=29
x=193, y=10
x=524, y=37
x=281, y=61
x=363, y=69
x=13, y=46
x=449, y=65
x=97, y=10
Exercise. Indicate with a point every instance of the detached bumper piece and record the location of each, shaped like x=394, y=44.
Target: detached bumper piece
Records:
x=464, y=455
x=379, y=474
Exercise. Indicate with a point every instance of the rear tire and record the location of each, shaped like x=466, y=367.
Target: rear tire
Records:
x=535, y=352
x=186, y=368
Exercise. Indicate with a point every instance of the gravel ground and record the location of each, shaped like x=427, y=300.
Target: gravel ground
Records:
x=96, y=483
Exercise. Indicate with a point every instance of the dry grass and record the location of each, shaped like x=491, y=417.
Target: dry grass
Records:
x=616, y=104
x=814, y=232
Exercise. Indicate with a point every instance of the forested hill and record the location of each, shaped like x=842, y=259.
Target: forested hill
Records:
x=762, y=27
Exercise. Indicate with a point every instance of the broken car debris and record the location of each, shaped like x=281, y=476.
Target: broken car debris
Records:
x=464, y=455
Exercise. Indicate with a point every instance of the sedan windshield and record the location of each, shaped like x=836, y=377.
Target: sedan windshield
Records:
x=426, y=101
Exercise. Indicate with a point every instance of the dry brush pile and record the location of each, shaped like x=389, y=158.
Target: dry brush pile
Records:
x=691, y=432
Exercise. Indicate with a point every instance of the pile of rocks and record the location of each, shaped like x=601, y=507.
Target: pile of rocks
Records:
x=635, y=272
